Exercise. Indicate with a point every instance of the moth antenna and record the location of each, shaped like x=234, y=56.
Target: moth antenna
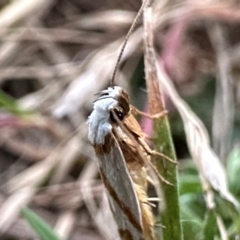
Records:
x=126, y=40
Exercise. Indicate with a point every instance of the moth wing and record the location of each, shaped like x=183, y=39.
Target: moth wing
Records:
x=122, y=196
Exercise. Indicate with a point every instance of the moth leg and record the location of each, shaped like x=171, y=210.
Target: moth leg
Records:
x=135, y=111
x=161, y=178
x=153, y=152
x=150, y=180
x=147, y=137
x=144, y=145
x=159, y=225
x=153, y=199
x=157, y=174
x=150, y=204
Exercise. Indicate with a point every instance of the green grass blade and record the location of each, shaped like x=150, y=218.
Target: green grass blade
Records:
x=44, y=231
x=210, y=225
x=10, y=104
x=171, y=215
x=233, y=171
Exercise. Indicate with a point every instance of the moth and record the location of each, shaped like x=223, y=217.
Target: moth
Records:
x=123, y=155
x=121, y=163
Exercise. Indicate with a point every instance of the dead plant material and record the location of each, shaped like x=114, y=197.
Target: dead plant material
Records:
x=54, y=57
x=210, y=168
x=223, y=115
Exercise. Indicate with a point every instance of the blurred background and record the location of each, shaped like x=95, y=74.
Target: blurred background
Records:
x=56, y=55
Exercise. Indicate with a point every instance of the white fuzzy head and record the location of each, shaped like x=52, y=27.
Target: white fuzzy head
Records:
x=99, y=125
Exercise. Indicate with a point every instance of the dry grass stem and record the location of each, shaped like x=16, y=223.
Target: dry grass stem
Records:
x=223, y=115
x=84, y=86
x=11, y=208
x=56, y=55
x=17, y=11
x=209, y=165
x=98, y=215
x=65, y=224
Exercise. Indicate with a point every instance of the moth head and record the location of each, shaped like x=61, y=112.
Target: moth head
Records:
x=117, y=93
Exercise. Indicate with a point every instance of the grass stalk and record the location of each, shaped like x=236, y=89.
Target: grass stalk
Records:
x=170, y=216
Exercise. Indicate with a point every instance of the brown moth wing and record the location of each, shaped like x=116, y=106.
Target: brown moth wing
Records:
x=120, y=188
x=138, y=174
x=133, y=126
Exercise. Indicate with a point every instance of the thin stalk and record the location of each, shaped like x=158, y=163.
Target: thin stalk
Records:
x=170, y=216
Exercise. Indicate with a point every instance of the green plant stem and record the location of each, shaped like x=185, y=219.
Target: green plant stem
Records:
x=170, y=216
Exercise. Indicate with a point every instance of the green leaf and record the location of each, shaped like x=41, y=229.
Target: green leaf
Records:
x=210, y=225
x=233, y=171
x=44, y=231
x=10, y=104
x=192, y=215
x=191, y=223
x=189, y=183
x=195, y=202
x=234, y=229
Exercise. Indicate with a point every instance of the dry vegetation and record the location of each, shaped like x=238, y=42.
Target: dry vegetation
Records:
x=55, y=55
